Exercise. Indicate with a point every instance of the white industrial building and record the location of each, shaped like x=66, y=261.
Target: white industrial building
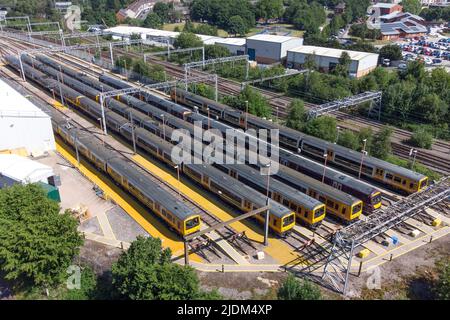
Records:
x=326, y=59
x=236, y=46
x=22, y=124
x=16, y=169
x=268, y=49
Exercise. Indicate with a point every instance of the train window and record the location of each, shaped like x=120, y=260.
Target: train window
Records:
x=293, y=206
x=179, y=225
x=403, y=182
x=322, y=199
x=319, y=212
x=397, y=179
x=288, y=220
x=285, y=202
x=389, y=176
x=411, y=185
x=356, y=208
x=344, y=209
x=305, y=214
x=336, y=206
x=329, y=203
x=157, y=207
x=191, y=223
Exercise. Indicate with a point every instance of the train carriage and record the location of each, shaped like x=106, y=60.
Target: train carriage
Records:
x=281, y=218
x=351, y=161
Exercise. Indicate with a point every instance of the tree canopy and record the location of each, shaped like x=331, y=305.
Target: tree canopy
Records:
x=145, y=272
x=412, y=6
x=219, y=12
x=269, y=9
x=37, y=242
x=187, y=40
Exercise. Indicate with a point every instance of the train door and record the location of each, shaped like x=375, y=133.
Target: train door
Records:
x=337, y=185
x=379, y=173
x=330, y=154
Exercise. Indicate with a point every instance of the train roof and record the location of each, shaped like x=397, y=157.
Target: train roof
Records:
x=299, y=178
x=294, y=134
x=368, y=160
x=275, y=185
x=236, y=187
x=141, y=180
x=330, y=172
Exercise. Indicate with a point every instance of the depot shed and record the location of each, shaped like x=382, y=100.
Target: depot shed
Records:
x=22, y=124
x=326, y=59
x=236, y=46
x=15, y=169
x=268, y=49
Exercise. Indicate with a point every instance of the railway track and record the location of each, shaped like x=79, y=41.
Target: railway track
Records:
x=240, y=243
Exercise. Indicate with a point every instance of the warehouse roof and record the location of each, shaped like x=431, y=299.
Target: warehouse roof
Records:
x=271, y=38
x=23, y=170
x=232, y=41
x=128, y=30
x=15, y=104
x=330, y=52
x=384, y=5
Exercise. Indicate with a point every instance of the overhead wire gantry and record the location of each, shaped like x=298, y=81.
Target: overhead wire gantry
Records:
x=369, y=96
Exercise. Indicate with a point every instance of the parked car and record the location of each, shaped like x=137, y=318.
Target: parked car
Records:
x=402, y=66
x=386, y=62
x=437, y=61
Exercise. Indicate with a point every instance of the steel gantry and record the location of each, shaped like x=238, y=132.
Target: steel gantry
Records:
x=169, y=52
x=155, y=86
x=204, y=63
x=369, y=96
x=284, y=75
x=340, y=253
x=74, y=47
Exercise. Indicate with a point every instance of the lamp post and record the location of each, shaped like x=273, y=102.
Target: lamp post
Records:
x=164, y=127
x=246, y=114
x=337, y=136
x=277, y=115
x=325, y=156
x=363, y=153
x=133, y=136
x=207, y=109
x=266, y=222
x=414, y=159
x=178, y=177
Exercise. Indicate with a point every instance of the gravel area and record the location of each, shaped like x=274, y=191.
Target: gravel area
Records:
x=124, y=227
x=92, y=226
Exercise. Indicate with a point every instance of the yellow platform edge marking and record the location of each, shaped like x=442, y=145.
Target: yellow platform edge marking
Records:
x=176, y=246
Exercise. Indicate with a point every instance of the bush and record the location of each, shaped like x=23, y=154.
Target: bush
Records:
x=442, y=288
x=293, y=289
x=421, y=138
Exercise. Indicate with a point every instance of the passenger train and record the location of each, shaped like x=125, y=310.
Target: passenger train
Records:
x=389, y=174
x=281, y=219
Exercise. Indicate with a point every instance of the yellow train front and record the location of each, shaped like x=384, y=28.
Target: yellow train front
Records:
x=281, y=219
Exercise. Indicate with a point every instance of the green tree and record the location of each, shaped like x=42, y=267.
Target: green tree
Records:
x=421, y=138
x=37, y=242
x=343, y=68
x=269, y=9
x=152, y=21
x=391, y=51
x=146, y=272
x=237, y=26
x=88, y=287
x=442, y=287
x=257, y=104
x=297, y=115
x=348, y=139
x=323, y=127
x=412, y=6
x=381, y=147
x=187, y=40
x=293, y=289
x=432, y=107
x=216, y=51
x=162, y=10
